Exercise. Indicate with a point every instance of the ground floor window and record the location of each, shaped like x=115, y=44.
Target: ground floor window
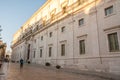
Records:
x=50, y=51
x=34, y=54
x=62, y=49
x=113, y=42
x=82, y=46
x=40, y=52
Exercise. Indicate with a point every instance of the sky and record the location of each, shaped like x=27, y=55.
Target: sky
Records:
x=13, y=14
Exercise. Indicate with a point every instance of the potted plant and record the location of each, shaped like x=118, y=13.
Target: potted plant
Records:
x=47, y=64
x=58, y=66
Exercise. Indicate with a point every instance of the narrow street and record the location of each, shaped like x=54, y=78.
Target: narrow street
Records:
x=12, y=71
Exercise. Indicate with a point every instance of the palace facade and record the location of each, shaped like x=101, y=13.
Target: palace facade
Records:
x=79, y=34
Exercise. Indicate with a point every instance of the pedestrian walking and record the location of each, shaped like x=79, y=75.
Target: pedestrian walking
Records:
x=0, y=63
x=21, y=63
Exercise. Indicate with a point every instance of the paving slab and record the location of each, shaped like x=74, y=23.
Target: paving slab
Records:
x=38, y=72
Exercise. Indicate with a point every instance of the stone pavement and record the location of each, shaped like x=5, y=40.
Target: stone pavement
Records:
x=12, y=71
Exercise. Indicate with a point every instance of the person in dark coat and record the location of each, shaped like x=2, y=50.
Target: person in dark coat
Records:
x=21, y=63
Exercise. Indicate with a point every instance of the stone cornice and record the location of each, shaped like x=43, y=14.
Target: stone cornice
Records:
x=48, y=1
x=58, y=17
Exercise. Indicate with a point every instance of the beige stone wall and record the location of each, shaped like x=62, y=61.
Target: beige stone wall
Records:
x=96, y=27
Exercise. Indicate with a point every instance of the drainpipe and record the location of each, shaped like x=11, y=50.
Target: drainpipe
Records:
x=98, y=32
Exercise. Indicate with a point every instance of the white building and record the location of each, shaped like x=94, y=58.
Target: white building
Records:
x=81, y=34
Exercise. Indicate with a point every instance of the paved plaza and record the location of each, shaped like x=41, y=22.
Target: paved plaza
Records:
x=12, y=71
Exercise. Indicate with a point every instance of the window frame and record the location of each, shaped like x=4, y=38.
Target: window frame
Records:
x=113, y=47
x=63, y=51
x=79, y=38
x=50, y=52
x=110, y=30
x=79, y=22
x=41, y=51
x=34, y=54
x=63, y=29
x=81, y=51
x=41, y=38
x=50, y=34
x=108, y=9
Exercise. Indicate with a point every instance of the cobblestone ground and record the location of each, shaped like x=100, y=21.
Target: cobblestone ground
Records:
x=13, y=72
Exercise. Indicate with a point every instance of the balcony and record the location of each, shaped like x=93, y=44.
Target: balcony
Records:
x=65, y=12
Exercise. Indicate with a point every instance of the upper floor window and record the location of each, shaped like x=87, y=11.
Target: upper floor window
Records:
x=41, y=38
x=52, y=17
x=44, y=23
x=53, y=14
x=64, y=6
x=81, y=22
x=63, y=29
x=37, y=26
x=50, y=34
x=64, y=9
x=50, y=51
x=44, y=20
x=108, y=10
x=113, y=42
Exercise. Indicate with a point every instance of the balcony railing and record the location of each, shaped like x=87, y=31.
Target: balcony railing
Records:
x=38, y=25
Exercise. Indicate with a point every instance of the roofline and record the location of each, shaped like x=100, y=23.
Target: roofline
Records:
x=37, y=11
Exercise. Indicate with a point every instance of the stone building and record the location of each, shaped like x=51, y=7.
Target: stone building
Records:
x=80, y=34
x=2, y=50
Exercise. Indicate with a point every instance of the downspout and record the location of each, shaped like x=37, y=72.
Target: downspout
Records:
x=98, y=32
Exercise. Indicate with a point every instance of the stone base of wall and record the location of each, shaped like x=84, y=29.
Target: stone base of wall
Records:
x=107, y=65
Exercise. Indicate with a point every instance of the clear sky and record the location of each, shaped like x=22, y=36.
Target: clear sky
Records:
x=13, y=14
